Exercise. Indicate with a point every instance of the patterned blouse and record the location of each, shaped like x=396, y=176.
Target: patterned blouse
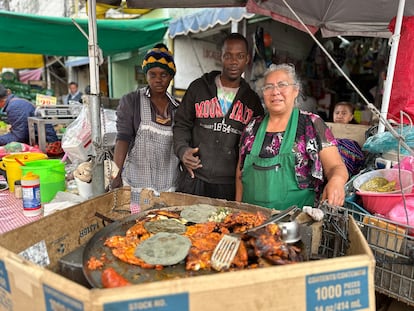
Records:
x=312, y=136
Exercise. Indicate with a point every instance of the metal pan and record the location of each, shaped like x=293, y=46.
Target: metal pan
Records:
x=134, y=274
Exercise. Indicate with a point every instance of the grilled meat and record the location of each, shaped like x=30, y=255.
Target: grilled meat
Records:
x=257, y=248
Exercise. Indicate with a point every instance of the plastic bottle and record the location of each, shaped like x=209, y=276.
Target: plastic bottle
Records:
x=358, y=113
x=18, y=189
x=31, y=195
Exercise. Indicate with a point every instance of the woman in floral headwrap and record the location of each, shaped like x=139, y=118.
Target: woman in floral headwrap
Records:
x=145, y=117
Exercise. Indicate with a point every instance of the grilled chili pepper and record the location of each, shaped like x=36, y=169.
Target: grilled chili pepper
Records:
x=111, y=278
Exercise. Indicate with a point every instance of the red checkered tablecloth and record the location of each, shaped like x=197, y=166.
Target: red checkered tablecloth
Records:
x=11, y=212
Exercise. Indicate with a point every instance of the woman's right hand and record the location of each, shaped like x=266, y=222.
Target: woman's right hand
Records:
x=117, y=182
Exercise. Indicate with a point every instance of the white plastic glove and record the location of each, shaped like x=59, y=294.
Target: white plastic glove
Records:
x=315, y=213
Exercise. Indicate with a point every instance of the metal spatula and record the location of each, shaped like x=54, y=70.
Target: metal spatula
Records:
x=228, y=246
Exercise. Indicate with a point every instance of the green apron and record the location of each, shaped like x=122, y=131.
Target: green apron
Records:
x=271, y=182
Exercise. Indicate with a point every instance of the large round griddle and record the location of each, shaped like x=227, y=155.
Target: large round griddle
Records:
x=134, y=274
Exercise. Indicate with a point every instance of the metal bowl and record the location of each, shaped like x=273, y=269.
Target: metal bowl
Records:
x=290, y=231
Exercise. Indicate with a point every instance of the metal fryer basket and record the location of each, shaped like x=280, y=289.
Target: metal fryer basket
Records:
x=390, y=242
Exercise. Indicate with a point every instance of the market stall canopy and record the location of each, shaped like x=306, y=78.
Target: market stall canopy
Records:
x=332, y=17
x=206, y=19
x=152, y=4
x=368, y=18
x=24, y=33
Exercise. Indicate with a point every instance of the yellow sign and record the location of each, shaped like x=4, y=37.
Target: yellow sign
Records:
x=45, y=100
x=20, y=61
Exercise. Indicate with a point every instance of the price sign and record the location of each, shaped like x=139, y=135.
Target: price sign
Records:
x=338, y=290
x=45, y=100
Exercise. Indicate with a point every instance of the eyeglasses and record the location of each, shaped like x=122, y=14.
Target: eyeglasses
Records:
x=281, y=86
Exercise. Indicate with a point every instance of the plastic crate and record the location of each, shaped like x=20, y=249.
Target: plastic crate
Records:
x=351, y=202
x=393, y=249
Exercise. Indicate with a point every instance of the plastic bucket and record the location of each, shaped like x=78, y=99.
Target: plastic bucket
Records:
x=381, y=203
x=51, y=174
x=13, y=167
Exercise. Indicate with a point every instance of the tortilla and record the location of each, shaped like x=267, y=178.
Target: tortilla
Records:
x=198, y=213
x=163, y=249
x=165, y=225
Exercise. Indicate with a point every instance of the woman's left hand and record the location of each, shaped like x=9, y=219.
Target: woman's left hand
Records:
x=336, y=174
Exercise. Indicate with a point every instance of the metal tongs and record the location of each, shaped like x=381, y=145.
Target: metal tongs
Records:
x=227, y=248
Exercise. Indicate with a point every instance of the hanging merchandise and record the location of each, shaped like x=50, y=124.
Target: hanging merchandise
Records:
x=267, y=40
x=402, y=97
x=259, y=46
x=268, y=50
x=259, y=63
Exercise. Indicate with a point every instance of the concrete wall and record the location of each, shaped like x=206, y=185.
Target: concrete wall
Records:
x=123, y=76
x=42, y=7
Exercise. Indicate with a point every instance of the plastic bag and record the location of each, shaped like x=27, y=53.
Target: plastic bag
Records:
x=384, y=142
x=407, y=163
x=398, y=213
x=108, y=127
x=77, y=141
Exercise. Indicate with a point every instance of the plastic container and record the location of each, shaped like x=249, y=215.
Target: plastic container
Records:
x=13, y=167
x=381, y=203
x=391, y=175
x=84, y=188
x=352, y=203
x=52, y=177
x=31, y=195
x=18, y=189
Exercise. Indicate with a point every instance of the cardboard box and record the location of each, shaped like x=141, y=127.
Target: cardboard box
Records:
x=386, y=236
x=343, y=283
x=350, y=131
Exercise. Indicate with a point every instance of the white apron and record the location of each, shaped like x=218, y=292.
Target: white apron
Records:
x=151, y=163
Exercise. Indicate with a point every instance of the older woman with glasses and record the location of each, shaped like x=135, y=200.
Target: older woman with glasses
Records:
x=288, y=157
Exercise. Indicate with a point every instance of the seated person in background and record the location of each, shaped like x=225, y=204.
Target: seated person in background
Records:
x=344, y=113
x=17, y=111
x=349, y=149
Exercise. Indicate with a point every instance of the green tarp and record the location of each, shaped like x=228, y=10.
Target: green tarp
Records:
x=23, y=33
